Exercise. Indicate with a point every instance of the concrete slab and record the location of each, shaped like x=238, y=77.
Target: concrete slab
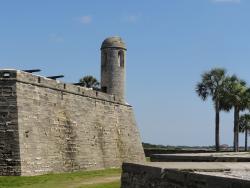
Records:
x=201, y=166
x=238, y=174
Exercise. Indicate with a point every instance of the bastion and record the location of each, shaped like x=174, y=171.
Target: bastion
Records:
x=47, y=126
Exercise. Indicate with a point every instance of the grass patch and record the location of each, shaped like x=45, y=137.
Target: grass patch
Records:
x=64, y=180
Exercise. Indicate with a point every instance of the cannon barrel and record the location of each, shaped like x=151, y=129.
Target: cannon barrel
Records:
x=55, y=77
x=78, y=84
x=32, y=70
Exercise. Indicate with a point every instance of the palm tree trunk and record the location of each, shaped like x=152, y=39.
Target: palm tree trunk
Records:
x=217, y=127
x=246, y=134
x=236, y=128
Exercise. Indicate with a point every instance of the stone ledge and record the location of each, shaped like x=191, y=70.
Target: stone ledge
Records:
x=188, y=175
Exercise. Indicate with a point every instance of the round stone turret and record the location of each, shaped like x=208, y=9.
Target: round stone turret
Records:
x=113, y=64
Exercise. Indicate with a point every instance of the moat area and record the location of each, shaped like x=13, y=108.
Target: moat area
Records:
x=202, y=157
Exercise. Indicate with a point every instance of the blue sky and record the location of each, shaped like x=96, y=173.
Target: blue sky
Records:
x=170, y=43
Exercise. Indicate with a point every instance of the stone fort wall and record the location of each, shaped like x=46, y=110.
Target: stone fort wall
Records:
x=58, y=127
x=147, y=176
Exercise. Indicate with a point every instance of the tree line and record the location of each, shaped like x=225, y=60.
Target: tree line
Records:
x=228, y=92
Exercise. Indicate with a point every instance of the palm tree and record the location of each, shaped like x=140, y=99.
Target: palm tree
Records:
x=244, y=126
x=89, y=82
x=237, y=96
x=212, y=84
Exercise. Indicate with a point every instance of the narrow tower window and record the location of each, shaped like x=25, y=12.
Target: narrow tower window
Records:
x=121, y=58
x=105, y=59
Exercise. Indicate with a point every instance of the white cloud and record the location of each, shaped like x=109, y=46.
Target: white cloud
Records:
x=132, y=18
x=56, y=38
x=226, y=1
x=86, y=19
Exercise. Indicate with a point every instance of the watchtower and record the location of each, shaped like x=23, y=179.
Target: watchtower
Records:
x=113, y=64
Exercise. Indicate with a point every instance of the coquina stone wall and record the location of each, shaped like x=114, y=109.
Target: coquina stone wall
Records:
x=143, y=176
x=61, y=127
x=10, y=163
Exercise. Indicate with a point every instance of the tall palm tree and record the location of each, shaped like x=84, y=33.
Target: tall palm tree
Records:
x=237, y=97
x=89, y=82
x=244, y=126
x=212, y=84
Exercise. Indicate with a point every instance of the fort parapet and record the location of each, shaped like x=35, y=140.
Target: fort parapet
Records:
x=49, y=126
